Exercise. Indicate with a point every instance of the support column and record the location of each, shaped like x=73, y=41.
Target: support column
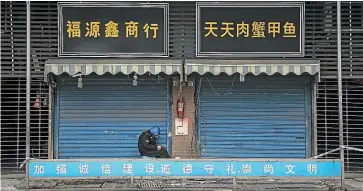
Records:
x=28, y=81
x=340, y=90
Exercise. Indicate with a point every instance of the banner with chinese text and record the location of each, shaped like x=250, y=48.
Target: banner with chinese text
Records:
x=250, y=30
x=219, y=168
x=113, y=30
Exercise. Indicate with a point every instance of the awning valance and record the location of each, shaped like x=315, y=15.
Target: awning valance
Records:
x=102, y=66
x=254, y=67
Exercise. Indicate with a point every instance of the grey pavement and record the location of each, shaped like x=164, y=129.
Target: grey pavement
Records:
x=356, y=183
x=17, y=184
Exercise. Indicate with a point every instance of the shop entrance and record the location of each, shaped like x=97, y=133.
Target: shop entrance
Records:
x=104, y=118
x=262, y=117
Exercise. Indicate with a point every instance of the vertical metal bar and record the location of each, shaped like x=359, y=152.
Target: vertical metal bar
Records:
x=308, y=126
x=199, y=118
x=28, y=78
x=182, y=62
x=340, y=91
x=169, y=129
x=12, y=41
x=50, y=125
x=347, y=123
x=18, y=125
x=40, y=121
x=1, y=130
x=325, y=117
x=56, y=123
x=315, y=121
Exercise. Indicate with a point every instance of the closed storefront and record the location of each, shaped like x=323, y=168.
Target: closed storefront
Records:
x=106, y=116
x=106, y=92
x=102, y=116
x=241, y=115
x=253, y=100
x=263, y=117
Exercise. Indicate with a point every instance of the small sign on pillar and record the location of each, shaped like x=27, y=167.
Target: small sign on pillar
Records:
x=181, y=126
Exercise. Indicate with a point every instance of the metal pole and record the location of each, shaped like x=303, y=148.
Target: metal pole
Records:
x=28, y=79
x=50, y=130
x=340, y=90
x=315, y=115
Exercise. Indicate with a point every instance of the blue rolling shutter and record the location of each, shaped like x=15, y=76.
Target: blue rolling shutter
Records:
x=263, y=117
x=106, y=116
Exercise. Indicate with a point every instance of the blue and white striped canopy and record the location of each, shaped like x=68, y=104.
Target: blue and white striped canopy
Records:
x=102, y=66
x=255, y=67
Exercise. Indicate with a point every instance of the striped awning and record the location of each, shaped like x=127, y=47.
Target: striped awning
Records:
x=254, y=67
x=113, y=66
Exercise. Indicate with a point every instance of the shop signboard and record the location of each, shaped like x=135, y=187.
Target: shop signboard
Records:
x=61, y=168
x=250, y=29
x=113, y=30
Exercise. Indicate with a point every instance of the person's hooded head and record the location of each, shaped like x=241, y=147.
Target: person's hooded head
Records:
x=155, y=131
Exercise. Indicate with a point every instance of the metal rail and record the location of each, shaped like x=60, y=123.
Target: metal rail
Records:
x=340, y=89
x=341, y=149
x=28, y=80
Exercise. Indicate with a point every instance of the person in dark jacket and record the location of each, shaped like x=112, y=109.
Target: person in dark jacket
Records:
x=147, y=144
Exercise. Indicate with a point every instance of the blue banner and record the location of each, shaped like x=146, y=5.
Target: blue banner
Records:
x=205, y=168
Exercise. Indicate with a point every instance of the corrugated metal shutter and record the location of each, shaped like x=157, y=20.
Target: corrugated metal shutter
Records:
x=263, y=117
x=106, y=116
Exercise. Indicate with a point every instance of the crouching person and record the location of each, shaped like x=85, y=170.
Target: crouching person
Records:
x=147, y=144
